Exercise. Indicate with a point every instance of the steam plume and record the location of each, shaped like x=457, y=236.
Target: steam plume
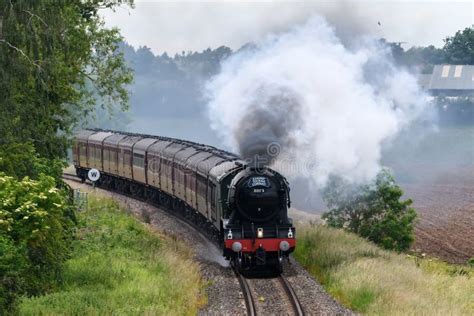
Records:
x=329, y=108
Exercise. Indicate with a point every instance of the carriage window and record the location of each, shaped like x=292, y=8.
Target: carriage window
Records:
x=139, y=160
x=180, y=173
x=190, y=180
x=126, y=157
x=213, y=196
x=201, y=186
x=82, y=149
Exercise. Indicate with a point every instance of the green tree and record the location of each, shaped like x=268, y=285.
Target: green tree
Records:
x=459, y=49
x=51, y=53
x=374, y=211
x=20, y=160
x=36, y=227
x=425, y=57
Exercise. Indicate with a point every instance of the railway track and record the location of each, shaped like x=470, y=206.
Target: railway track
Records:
x=293, y=306
x=247, y=293
x=275, y=296
x=297, y=308
x=70, y=176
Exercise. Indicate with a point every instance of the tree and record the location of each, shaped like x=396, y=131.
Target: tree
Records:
x=36, y=229
x=459, y=49
x=423, y=57
x=374, y=211
x=20, y=160
x=51, y=53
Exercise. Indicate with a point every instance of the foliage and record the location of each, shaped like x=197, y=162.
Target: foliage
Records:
x=373, y=211
x=119, y=266
x=51, y=54
x=373, y=281
x=425, y=57
x=459, y=49
x=35, y=231
x=13, y=269
x=21, y=160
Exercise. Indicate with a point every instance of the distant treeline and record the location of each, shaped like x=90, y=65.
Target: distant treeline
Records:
x=171, y=86
x=458, y=49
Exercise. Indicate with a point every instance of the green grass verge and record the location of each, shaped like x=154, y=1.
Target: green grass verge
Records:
x=372, y=281
x=119, y=266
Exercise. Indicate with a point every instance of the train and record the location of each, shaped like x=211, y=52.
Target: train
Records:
x=243, y=205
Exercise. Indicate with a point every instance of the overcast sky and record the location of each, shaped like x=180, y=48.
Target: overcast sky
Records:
x=175, y=26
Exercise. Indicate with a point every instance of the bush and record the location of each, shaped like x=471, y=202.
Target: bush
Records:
x=36, y=224
x=21, y=160
x=373, y=211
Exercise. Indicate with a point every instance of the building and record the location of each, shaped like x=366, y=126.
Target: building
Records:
x=450, y=80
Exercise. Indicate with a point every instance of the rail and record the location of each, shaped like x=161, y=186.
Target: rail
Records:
x=292, y=296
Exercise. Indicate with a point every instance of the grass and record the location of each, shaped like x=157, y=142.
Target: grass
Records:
x=373, y=281
x=120, y=266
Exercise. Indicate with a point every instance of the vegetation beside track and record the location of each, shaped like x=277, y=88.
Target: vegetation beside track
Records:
x=373, y=281
x=118, y=265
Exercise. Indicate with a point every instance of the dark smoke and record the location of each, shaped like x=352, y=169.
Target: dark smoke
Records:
x=267, y=128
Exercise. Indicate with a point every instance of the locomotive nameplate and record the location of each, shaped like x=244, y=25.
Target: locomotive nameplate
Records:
x=258, y=182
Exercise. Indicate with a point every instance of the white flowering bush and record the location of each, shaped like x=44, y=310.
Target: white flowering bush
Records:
x=36, y=226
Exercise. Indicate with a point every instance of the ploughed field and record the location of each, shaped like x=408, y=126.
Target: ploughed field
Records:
x=445, y=204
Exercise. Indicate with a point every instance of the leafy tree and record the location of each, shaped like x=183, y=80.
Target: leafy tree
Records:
x=459, y=49
x=21, y=160
x=51, y=53
x=36, y=225
x=425, y=57
x=374, y=211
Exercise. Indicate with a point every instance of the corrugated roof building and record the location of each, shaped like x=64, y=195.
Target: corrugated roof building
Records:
x=452, y=80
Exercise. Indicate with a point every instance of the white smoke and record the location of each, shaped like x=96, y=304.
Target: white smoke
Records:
x=330, y=108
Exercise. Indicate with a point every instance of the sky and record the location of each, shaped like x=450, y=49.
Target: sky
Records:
x=176, y=26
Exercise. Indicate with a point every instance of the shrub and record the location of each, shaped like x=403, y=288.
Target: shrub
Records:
x=373, y=211
x=36, y=225
x=21, y=160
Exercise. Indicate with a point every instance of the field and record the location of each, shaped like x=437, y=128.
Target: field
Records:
x=438, y=174
x=446, y=225
x=120, y=266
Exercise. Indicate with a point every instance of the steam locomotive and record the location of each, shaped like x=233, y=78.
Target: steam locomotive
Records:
x=244, y=206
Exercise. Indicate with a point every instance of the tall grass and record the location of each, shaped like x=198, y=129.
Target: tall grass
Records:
x=119, y=266
x=377, y=282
